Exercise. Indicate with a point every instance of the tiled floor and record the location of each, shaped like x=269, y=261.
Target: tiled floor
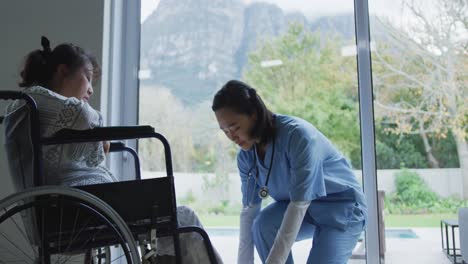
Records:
x=426, y=249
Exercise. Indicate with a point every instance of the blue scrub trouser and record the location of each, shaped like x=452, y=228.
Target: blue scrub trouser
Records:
x=330, y=245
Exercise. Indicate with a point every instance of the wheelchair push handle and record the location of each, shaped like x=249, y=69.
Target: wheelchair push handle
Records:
x=17, y=95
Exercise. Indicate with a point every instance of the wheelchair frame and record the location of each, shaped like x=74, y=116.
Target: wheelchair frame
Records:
x=161, y=214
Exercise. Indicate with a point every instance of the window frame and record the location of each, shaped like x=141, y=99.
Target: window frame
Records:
x=121, y=59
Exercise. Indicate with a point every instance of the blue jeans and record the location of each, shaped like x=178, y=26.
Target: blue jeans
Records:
x=330, y=245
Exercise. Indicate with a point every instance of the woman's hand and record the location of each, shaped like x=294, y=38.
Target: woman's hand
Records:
x=106, y=146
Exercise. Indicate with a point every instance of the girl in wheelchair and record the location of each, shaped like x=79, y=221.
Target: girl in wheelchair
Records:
x=61, y=83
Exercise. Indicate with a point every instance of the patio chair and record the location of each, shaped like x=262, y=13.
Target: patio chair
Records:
x=463, y=229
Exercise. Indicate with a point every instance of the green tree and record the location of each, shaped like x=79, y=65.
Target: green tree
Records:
x=313, y=82
x=420, y=78
x=160, y=109
x=394, y=151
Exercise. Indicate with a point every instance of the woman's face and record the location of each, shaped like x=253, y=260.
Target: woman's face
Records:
x=78, y=84
x=237, y=127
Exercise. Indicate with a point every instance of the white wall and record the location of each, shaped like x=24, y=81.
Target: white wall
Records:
x=445, y=182
x=23, y=22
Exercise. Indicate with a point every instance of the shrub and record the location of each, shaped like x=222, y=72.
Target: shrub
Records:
x=189, y=198
x=413, y=196
x=412, y=190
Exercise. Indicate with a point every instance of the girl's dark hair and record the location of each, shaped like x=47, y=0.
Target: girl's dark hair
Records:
x=243, y=99
x=41, y=65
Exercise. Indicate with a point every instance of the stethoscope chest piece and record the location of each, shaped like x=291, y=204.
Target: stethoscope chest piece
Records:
x=263, y=193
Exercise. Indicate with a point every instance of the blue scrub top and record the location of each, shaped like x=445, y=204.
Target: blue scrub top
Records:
x=306, y=167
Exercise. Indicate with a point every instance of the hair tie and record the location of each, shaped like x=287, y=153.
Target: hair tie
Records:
x=252, y=94
x=45, y=43
x=46, y=51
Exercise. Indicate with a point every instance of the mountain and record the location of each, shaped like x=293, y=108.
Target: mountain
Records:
x=193, y=47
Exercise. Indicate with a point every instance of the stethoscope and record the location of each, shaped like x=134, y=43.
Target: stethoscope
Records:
x=263, y=192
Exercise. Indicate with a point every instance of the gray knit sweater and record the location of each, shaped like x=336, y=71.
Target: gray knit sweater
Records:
x=70, y=164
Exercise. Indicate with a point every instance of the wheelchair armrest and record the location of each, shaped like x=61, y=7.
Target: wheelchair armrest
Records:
x=65, y=136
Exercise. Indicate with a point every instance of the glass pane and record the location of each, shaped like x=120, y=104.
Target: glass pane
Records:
x=419, y=66
x=299, y=55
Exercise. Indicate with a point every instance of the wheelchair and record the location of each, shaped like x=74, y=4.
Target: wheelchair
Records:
x=58, y=224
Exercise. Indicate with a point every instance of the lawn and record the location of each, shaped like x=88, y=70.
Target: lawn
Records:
x=421, y=220
x=426, y=220
x=220, y=220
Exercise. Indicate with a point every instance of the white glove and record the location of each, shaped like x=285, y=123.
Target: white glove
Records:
x=287, y=233
x=245, y=254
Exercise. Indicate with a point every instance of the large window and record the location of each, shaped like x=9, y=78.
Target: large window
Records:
x=299, y=55
x=419, y=64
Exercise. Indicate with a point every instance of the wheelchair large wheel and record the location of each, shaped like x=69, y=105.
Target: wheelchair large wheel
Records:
x=53, y=224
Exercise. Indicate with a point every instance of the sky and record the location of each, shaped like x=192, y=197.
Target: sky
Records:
x=310, y=8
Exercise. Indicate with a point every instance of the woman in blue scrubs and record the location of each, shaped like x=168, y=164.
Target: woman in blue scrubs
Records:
x=316, y=195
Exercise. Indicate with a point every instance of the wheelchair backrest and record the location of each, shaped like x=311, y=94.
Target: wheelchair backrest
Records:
x=21, y=128
x=21, y=141
x=18, y=146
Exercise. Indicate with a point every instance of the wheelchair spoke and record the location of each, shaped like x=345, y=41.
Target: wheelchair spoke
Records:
x=16, y=246
x=72, y=240
x=121, y=255
x=66, y=259
x=90, y=239
x=86, y=241
x=70, y=259
x=21, y=262
x=56, y=225
x=22, y=233
x=42, y=233
x=73, y=229
x=60, y=229
x=11, y=235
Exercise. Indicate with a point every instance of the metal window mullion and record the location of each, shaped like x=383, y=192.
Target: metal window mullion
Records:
x=122, y=48
x=366, y=113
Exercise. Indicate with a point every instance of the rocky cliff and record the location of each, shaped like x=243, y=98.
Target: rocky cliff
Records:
x=192, y=47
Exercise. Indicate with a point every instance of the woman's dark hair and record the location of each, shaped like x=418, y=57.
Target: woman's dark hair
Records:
x=40, y=65
x=243, y=99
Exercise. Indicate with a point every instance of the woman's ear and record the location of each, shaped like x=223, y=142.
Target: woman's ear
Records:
x=56, y=83
x=62, y=71
x=254, y=116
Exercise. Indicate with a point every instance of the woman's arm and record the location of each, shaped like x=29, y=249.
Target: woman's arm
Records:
x=79, y=115
x=245, y=253
x=288, y=231
x=251, y=207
